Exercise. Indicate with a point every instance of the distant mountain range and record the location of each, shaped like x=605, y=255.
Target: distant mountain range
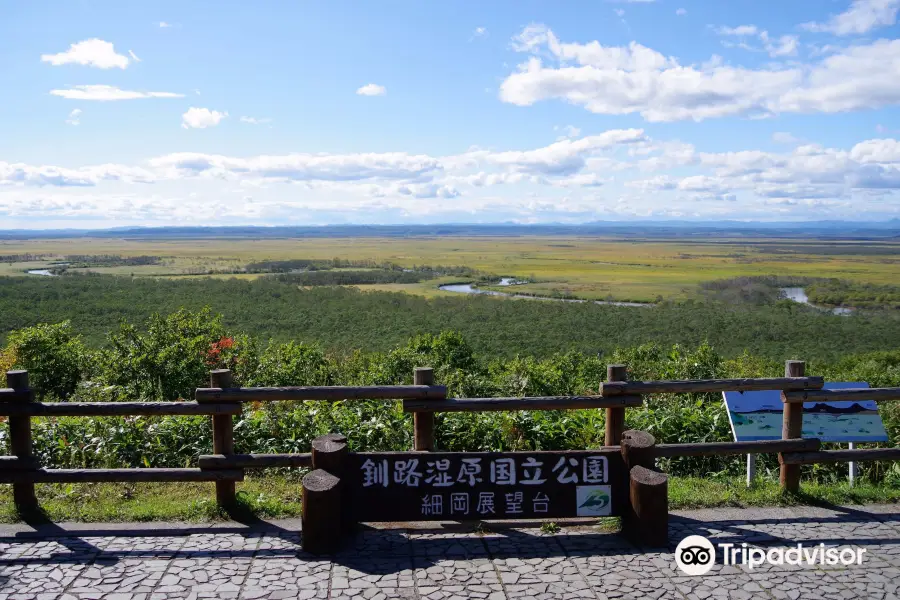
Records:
x=818, y=407
x=880, y=230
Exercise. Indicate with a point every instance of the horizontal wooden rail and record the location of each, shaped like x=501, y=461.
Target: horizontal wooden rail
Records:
x=528, y=403
x=850, y=394
x=254, y=461
x=727, y=448
x=17, y=463
x=11, y=395
x=830, y=456
x=110, y=409
x=367, y=392
x=620, y=388
x=123, y=475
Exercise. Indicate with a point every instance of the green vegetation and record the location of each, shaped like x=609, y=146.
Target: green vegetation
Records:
x=169, y=356
x=637, y=268
x=344, y=319
x=846, y=293
x=311, y=278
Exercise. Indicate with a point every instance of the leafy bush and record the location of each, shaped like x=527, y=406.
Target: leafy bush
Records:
x=53, y=355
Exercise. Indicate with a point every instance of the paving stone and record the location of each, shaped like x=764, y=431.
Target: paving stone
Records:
x=437, y=572
x=449, y=545
x=386, y=572
x=431, y=564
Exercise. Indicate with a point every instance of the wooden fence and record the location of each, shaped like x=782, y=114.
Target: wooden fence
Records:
x=222, y=401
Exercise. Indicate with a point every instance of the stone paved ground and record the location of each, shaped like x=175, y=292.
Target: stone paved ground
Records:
x=265, y=562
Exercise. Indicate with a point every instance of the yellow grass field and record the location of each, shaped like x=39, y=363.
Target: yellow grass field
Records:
x=600, y=268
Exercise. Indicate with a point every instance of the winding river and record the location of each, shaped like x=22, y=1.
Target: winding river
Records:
x=468, y=288
x=798, y=294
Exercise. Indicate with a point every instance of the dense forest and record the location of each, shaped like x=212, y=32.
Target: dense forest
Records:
x=345, y=318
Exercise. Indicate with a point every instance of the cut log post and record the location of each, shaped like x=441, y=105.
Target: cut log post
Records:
x=321, y=518
x=223, y=438
x=423, y=422
x=646, y=520
x=615, y=417
x=792, y=428
x=329, y=454
x=638, y=449
x=649, y=493
x=20, y=442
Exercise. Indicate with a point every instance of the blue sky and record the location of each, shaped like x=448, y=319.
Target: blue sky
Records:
x=185, y=113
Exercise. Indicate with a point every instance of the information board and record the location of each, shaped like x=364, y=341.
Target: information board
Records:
x=759, y=416
x=459, y=486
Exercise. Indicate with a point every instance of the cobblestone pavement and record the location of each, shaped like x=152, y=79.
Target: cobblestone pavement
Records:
x=265, y=562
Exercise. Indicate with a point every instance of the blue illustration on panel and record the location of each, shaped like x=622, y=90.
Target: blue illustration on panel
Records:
x=758, y=416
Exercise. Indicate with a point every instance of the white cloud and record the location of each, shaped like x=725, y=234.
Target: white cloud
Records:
x=740, y=30
x=164, y=25
x=22, y=174
x=681, y=12
x=74, y=117
x=480, y=32
x=783, y=137
x=570, y=131
x=255, y=120
x=201, y=118
x=618, y=80
x=93, y=53
x=786, y=45
x=133, y=56
x=617, y=171
x=302, y=167
x=108, y=93
x=564, y=157
x=372, y=89
x=620, y=12
x=861, y=17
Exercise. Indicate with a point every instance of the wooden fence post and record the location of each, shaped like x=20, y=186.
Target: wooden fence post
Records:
x=20, y=442
x=423, y=422
x=646, y=521
x=324, y=517
x=792, y=427
x=615, y=417
x=223, y=438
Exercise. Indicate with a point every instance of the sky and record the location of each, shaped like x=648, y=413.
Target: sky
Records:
x=328, y=112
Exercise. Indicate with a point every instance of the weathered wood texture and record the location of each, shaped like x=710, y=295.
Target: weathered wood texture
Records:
x=322, y=518
x=20, y=440
x=526, y=403
x=728, y=448
x=649, y=494
x=423, y=422
x=613, y=388
x=466, y=486
x=254, y=461
x=108, y=409
x=333, y=393
x=638, y=449
x=123, y=475
x=858, y=394
x=13, y=395
x=14, y=463
x=831, y=456
x=615, y=415
x=329, y=453
x=223, y=438
x=792, y=428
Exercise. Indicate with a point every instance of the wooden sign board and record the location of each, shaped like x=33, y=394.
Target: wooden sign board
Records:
x=461, y=486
